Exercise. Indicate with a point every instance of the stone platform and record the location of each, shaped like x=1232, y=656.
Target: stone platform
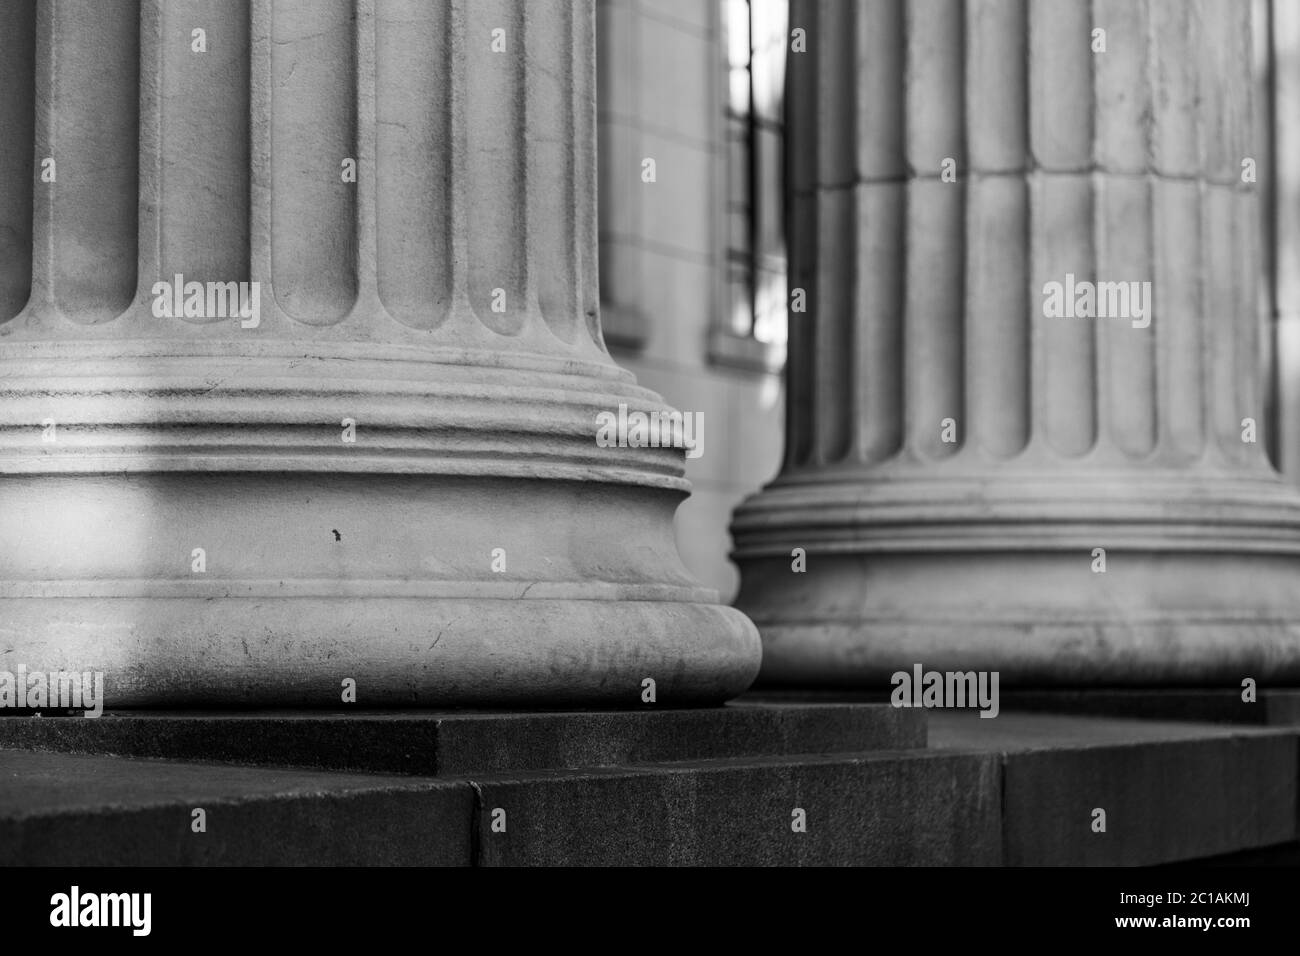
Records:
x=720, y=786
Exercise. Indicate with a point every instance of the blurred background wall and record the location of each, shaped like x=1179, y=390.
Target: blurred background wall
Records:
x=693, y=263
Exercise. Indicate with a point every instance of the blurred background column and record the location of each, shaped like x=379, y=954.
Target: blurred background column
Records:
x=973, y=479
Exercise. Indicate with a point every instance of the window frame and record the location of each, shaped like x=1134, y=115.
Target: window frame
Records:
x=726, y=346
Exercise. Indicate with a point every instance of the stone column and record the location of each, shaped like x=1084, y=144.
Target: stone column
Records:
x=959, y=464
x=387, y=471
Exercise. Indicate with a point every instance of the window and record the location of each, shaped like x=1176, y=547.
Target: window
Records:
x=754, y=41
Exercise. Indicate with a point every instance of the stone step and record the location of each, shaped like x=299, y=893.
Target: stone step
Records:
x=892, y=807
x=1170, y=791
x=1273, y=707
x=906, y=808
x=1020, y=789
x=83, y=810
x=465, y=742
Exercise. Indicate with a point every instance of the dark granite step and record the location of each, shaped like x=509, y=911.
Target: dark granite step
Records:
x=1171, y=791
x=80, y=810
x=1273, y=707
x=878, y=808
x=720, y=786
x=438, y=744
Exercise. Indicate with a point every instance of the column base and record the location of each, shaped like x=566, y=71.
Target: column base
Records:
x=227, y=545
x=1199, y=586
x=309, y=580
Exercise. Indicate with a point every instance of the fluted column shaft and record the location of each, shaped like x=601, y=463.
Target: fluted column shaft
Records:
x=959, y=452
x=383, y=465
x=473, y=179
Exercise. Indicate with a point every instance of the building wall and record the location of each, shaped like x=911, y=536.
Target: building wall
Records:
x=660, y=91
